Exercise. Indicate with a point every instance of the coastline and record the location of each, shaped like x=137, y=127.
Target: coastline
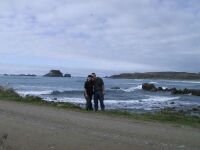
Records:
x=159, y=75
x=165, y=115
x=50, y=125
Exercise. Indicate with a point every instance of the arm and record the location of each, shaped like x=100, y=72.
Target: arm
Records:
x=103, y=87
x=85, y=93
x=103, y=90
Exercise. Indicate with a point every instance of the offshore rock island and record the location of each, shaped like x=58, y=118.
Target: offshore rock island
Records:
x=57, y=73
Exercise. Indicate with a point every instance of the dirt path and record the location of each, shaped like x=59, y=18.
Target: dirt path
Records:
x=31, y=127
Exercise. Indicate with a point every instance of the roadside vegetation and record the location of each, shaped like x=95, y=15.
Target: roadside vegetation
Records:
x=165, y=115
x=11, y=95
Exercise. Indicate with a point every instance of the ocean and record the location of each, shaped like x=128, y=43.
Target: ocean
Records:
x=127, y=96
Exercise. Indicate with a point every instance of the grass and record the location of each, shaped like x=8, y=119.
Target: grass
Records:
x=11, y=95
x=162, y=116
x=165, y=116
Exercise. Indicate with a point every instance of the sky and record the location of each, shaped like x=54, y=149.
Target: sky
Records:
x=103, y=36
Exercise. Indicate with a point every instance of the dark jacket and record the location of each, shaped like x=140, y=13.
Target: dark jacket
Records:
x=98, y=85
x=89, y=87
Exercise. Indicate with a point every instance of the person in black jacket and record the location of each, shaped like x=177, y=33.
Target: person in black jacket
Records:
x=88, y=92
x=98, y=92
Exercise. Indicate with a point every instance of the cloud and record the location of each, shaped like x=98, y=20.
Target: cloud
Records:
x=108, y=36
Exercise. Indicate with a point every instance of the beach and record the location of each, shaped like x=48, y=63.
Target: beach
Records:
x=31, y=127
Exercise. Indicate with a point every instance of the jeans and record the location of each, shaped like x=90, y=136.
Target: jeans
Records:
x=99, y=97
x=89, y=102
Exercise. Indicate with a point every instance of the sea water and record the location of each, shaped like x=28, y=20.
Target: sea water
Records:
x=126, y=94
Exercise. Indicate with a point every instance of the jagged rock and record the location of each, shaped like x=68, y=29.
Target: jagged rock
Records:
x=68, y=75
x=195, y=109
x=54, y=73
x=115, y=88
x=149, y=87
x=186, y=91
x=195, y=92
x=55, y=93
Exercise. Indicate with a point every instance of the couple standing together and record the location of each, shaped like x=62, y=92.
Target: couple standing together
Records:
x=94, y=87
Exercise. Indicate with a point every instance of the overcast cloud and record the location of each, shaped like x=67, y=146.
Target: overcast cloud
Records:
x=105, y=36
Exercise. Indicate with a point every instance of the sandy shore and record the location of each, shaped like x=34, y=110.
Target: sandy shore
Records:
x=31, y=127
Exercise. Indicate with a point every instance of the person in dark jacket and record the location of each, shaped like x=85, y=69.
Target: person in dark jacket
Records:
x=98, y=92
x=88, y=93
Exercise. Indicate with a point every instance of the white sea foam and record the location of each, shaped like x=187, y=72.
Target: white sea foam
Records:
x=121, y=101
x=159, y=99
x=194, y=82
x=37, y=93
x=150, y=103
x=153, y=82
x=151, y=99
x=132, y=89
x=138, y=79
x=67, y=99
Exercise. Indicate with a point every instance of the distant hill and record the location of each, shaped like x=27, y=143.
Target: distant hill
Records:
x=158, y=75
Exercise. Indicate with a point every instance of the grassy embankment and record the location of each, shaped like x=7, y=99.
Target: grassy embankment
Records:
x=11, y=95
x=162, y=116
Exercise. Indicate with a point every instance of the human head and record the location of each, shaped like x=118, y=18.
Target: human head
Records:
x=89, y=77
x=94, y=76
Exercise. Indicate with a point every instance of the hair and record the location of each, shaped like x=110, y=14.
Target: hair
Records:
x=93, y=73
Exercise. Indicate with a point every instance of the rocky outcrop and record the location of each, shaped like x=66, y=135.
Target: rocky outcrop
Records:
x=54, y=73
x=153, y=88
x=115, y=88
x=159, y=75
x=57, y=73
x=149, y=87
x=195, y=92
x=68, y=75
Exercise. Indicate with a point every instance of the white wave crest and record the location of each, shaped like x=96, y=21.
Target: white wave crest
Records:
x=68, y=99
x=159, y=99
x=132, y=89
x=37, y=93
x=153, y=82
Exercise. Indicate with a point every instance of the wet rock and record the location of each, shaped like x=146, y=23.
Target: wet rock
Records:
x=186, y=91
x=195, y=92
x=115, y=88
x=173, y=90
x=67, y=75
x=152, y=87
x=55, y=92
x=149, y=87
